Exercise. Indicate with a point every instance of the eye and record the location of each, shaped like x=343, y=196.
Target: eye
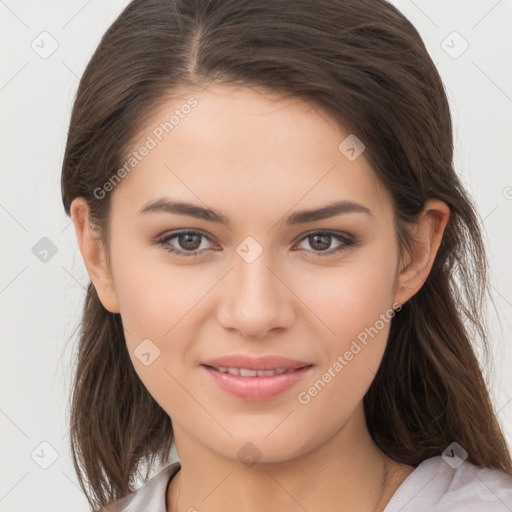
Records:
x=321, y=240
x=190, y=242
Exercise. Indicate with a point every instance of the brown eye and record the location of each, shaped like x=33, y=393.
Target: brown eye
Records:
x=187, y=243
x=322, y=240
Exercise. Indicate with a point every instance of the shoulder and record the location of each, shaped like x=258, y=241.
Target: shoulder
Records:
x=150, y=496
x=435, y=486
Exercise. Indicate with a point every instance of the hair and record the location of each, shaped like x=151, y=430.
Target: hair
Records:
x=364, y=63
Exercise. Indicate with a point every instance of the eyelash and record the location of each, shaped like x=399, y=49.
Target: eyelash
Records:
x=347, y=241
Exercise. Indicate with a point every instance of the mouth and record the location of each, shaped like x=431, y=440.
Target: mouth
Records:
x=256, y=384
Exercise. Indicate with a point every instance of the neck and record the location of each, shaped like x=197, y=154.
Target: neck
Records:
x=348, y=472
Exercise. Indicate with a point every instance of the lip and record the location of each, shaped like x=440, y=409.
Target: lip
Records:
x=256, y=388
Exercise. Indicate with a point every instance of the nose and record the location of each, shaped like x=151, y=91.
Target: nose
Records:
x=256, y=298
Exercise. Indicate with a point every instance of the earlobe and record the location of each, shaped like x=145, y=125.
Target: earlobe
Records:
x=93, y=255
x=427, y=237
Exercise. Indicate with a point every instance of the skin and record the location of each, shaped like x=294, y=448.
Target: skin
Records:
x=255, y=158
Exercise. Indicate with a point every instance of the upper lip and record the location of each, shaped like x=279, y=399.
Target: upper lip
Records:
x=270, y=362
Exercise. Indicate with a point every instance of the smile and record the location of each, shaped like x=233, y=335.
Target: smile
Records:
x=249, y=384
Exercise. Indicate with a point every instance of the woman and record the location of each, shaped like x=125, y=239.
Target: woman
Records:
x=286, y=272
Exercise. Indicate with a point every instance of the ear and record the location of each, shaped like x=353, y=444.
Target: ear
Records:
x=427, y=236
x=93, y=255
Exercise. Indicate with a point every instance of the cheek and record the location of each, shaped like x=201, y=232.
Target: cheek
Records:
x=154, y=295
x=155, y=305
x=356, y=306
x=350, y=297
x=354, y=303
x=158, y=304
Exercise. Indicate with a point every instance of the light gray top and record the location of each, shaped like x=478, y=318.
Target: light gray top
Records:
x=434, y=486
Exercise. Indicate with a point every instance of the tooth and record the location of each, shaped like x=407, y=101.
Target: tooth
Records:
x=265, y=373
x=244, y=372
x=279, y=371
x=233, y=371
x=222, y=368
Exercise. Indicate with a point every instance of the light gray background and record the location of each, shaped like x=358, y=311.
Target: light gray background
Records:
x=40, y=302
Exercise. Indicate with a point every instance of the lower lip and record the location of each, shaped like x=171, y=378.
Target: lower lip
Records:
x=256, y=388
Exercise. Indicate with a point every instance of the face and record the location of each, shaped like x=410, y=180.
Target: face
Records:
x=263, y=283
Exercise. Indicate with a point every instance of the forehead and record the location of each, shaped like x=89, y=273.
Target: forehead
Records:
x=247, y=150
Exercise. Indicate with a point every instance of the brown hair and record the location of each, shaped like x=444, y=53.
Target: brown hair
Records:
x=365, y=63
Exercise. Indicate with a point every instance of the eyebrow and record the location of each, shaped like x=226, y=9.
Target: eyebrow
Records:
x=165, y=205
